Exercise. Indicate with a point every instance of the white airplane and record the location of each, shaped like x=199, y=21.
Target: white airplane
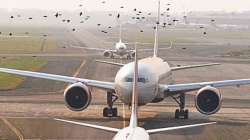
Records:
x=151, y=71
x=120, y=49
x=133, y=131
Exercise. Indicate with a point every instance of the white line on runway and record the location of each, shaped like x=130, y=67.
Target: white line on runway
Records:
x=13, y=128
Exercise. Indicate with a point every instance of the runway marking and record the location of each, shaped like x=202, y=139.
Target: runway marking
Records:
x=75, y=74
x=79, y=69
x=13, y=128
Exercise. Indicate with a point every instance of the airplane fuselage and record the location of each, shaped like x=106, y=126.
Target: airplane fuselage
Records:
x=121, y=49
x=151, y=70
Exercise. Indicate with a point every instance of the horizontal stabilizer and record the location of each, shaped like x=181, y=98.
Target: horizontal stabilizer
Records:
x=109, y=129
x=111, y=63
x=193, y=66
x=177, y=127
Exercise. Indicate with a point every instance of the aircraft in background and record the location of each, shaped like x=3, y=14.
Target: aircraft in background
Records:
x=152, y=70
x=133, y=131
x=120, y=49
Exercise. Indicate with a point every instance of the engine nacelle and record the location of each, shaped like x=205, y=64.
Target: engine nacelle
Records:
x=107, y=53
x=208, y=100
x=77, y=97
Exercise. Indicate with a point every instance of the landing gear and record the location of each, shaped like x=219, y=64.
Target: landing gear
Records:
x=181, y=113
x=129, y=57
x=112, y=56
x=110, y=111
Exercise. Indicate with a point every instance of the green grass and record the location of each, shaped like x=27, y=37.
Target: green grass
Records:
x=26, y=44
x=8, y=81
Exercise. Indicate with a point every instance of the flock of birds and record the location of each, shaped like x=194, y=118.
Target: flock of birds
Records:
x=137, y=16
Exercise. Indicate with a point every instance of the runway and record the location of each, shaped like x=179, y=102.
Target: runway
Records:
x=28, y=111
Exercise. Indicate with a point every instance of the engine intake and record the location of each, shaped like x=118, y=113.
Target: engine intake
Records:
x=107, y=54
x=208, y=100
x=77, y=97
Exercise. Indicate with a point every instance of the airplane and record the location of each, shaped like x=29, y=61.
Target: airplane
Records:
x=133, y=131
x=152, y=71
x=120, y=49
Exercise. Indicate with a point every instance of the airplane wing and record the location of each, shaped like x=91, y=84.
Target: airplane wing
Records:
x=109, y=129
x=68, y=79
x=195, y=86
x=192, y=66
x=87, y=48
x=152, y=131
x=151, y=49
x=111, y=63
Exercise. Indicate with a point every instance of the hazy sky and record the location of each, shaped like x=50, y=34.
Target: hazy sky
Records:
x=146, y=5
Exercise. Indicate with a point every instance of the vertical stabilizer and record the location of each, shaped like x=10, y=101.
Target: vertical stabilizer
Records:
x=120, y=33
x=134, y=103
x=156, y=31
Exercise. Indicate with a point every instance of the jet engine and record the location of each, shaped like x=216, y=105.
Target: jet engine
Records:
x=107, y=54
x=208, y=100
x=77, y=97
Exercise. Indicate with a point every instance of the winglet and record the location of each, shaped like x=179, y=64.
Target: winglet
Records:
x=134, y=104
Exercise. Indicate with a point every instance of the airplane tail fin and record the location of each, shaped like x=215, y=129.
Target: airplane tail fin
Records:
x=120, y=32
x=134, y=104
x=156, y=43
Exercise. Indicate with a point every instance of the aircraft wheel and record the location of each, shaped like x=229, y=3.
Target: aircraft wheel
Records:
x=110, y=112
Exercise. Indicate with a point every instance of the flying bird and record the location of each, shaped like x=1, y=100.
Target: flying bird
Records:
x=56, y=15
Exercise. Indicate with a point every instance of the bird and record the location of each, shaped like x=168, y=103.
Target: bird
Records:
x=81, y=13
x=118, y=16
x=56, y=15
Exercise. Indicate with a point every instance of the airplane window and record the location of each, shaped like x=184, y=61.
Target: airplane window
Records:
x=140, y=79
x=128, y=79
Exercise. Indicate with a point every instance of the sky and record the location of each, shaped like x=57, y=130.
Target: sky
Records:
x=113, y=5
